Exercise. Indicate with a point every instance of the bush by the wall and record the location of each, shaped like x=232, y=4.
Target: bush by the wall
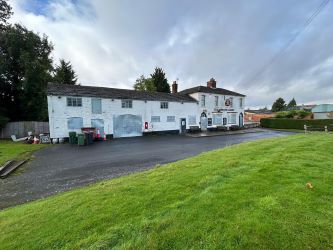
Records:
x=3, y=121
x=293, y=123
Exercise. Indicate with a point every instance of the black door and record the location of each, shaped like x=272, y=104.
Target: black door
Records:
x=182, y=125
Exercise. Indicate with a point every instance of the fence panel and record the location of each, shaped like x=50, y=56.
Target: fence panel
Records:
x=21, y=129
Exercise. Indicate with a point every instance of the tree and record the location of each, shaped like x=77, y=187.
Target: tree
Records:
x=64, y=73
x=144, y=84
x=292, y=104
x=25, y=66
x=160, y=81
x=278, y=105
x=5, y=12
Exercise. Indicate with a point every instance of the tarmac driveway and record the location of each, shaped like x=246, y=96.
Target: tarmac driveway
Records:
x=62, y=167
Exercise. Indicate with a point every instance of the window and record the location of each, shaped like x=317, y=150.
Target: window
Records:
x=241, y=102
x=96, y=106
x=155, y=119
x=216, y=101
x=171, y=118
x=126, y=104
x=75, y=123
x=217, y=119
x=203, y=101
x=192, y=120
x=74, y=101
x=232, y=118
x=231, y=102
x=164, y=105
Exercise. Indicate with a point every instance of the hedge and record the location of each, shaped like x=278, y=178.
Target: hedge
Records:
x=294, y=124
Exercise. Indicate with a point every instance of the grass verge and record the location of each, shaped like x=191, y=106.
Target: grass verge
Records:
x=16, y=150
x=248, y=196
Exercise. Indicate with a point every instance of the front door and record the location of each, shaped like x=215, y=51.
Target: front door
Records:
x=241, y=121
x=182, y=125
x=203, y=121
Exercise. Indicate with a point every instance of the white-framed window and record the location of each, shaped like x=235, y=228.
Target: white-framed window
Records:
x=75, y=122
x=171, y=118
x=164, y=105
x=192, y=120
x=96, y=105
x=203, y=100
x=216, y=101
x=217, y=119
x=232, y=118
x=126, y=104
x=231, y=102
x=155, y=118
x=74, y=101
x=241, y=102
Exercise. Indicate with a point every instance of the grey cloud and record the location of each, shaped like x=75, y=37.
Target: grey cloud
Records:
x=111, y=43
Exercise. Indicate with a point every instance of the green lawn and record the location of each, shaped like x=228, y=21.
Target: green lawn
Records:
x=248, y=196
x=14, y=150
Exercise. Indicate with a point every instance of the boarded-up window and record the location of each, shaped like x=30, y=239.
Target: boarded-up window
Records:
x=155, y=119
x=171, y=118
x=74, y=101
x=217, y=119
x=75, y=122
x=96, y=106
x=192, y=120
x=232, y=118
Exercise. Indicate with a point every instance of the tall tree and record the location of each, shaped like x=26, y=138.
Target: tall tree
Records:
x=278, y=105
x=5, y=12
x=64, y=73
x=25, y=66
x=292, y=104
x=144, y=84
x=160, y=81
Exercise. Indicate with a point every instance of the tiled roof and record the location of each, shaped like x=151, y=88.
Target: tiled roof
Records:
x=204, y=89
x=323, y=108
x=113, y=93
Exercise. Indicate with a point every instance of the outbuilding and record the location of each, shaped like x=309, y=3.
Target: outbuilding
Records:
x=323, y=111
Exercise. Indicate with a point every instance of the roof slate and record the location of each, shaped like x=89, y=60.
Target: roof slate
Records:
x=204, y=89
x=113, y=93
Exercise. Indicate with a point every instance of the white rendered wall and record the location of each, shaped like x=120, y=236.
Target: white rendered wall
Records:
x=59, y=113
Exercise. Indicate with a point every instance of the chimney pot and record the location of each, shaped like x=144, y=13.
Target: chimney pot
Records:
x=211, y=83
x=174, y=87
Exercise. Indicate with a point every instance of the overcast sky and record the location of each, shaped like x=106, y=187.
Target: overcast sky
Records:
x=111, y=43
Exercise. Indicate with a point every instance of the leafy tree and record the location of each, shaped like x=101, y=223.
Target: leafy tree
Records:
x=25, y=66
x=292, y=104
x=160, y=81
x=64, y=73
x=5, y=12
x=144, y=84
x=278, y=105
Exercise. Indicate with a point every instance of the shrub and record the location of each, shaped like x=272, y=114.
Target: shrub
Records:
x=3, y=121
x=293, y=123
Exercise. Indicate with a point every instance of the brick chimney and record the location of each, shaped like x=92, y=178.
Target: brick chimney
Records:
x=174, y=87
x=211, y=83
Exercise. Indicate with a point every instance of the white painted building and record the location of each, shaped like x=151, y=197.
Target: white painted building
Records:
x=125, y=113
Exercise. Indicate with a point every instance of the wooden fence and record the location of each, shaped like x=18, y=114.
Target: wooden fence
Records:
x=21, y=129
